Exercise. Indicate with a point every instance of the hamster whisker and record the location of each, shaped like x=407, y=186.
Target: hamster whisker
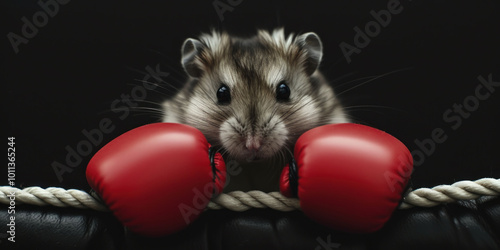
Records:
x=342, y=84
x=274, y=170
x=224, y=112
x=205, y=122
x=373, y=79
x=223, y=152
x=173, y=69
x=283, y=156
x=148, y=109
x=166, y=86
x=149, y=102
x=163, y=90
x=362, y=107
x=160, y=83
x=353, y=119
x=342, y=77
x=294, y=109
x=202, y=118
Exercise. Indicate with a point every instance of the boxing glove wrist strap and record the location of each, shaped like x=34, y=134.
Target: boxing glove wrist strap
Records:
x=212, y=151
x=293, y=177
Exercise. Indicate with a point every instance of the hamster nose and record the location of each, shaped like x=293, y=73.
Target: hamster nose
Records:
x=252, y=144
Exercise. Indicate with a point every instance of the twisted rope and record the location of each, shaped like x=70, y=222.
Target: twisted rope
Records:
x=241, y=201
x=54, y=196
x=442, y=194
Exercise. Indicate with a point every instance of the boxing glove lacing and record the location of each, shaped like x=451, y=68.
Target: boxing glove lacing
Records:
x=293, y=177
x=212, y=151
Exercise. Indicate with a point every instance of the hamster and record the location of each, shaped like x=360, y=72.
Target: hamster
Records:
x=253, y=97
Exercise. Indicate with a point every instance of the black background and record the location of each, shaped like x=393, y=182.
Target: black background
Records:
x=91, y=52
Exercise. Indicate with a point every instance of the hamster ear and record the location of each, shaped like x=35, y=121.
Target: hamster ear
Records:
x=190, y=50
x=313, y=49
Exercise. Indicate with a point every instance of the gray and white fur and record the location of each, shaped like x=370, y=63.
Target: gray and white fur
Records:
x=254, y=129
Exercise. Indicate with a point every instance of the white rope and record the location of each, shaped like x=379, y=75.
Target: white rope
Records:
x=50, y=196
x=241, y=201
x=462, y=190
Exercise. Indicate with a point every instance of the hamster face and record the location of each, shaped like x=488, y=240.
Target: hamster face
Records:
x=254, y=97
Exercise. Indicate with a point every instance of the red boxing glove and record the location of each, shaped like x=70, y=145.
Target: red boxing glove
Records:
x=350, y=177
x=157, y=178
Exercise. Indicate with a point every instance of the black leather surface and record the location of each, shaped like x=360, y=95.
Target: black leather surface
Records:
x=61, y=228
x=463, y=225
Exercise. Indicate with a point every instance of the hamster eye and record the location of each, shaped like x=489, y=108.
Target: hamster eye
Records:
x=282, y=92
x=223, y=95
